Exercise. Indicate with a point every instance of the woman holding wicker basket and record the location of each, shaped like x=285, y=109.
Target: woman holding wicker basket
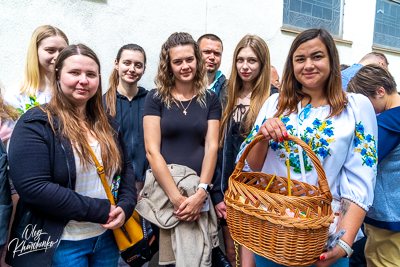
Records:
x=339, y=128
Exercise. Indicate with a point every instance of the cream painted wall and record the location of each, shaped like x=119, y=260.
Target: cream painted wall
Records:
x=106, y=25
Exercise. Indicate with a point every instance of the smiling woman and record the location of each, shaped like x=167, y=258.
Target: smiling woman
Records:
x=35, y=89
x=336, y=126
x=79, y=80
x=181, y=119
x=62, y=194
x=124, y=101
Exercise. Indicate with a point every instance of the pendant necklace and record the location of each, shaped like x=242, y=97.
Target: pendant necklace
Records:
x=184, y=109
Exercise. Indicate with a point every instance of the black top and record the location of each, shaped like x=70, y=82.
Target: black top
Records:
x=130, y=118
x=182, y=136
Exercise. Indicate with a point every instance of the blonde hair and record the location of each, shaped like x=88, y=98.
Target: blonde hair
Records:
x=31, y=81
x=165, y=81
x=96, y=120
x=261, y=89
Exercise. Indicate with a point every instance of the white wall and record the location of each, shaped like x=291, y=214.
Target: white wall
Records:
x=106, y=25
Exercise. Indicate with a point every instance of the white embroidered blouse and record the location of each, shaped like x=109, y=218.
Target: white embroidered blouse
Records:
x=346, y=145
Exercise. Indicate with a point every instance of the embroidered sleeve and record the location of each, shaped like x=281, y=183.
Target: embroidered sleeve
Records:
x=266, y=111
x=359, y=170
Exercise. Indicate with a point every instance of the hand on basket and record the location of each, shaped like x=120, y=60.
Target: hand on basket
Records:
x=189, y=210
x=329, y=257
x=274, y=129
x=220, y=209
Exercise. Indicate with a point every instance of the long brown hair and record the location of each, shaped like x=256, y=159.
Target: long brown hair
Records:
x=165, y=81
x=261, y=90
x=291, y=90
x=7, y=111
x=111, y=94
x=96, y=121
x=371, y=77
x=31, y=81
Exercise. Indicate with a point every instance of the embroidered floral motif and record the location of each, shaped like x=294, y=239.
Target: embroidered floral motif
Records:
x=317, y=137
x=252, y=135
x=365, y=145
x=33, y=103
x=289, y=149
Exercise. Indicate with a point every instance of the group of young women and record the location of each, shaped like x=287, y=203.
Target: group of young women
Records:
x=181, y=122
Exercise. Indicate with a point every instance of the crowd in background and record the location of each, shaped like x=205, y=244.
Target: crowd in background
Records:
x=198, y=118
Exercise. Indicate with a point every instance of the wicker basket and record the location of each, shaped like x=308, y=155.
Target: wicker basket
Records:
x=257, y=219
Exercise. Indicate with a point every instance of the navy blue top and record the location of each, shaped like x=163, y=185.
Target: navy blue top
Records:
x=130, y=118
x=389, y=139
x=388, y=131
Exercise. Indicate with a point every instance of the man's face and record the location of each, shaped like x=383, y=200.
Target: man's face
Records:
x=212, y=53
x=275, y=77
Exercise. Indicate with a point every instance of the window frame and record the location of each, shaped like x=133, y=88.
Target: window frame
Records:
x=341, y=19
x=379, y=46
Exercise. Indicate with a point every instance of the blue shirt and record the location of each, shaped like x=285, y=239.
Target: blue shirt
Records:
x=388, y=131
x=218, y=84
x=349, y=73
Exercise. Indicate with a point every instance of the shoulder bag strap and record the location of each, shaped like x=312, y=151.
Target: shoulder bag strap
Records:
x=100, y=171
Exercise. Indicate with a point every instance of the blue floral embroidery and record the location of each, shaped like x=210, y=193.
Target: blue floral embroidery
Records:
x=284, y=119
x=323, y=152
x=317, y=123
x=328, y=132
x=365, y=145
x=252, y=135
x=360, y=128
x=320, y=138
x=324, y=142
x=317, y=137
x=274, y=146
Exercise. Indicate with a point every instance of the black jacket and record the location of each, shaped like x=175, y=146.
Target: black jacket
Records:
x=130, y=119
x=42, y=167
x=5, y=197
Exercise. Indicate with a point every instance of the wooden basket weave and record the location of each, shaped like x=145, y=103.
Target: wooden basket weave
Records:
x=257, y=218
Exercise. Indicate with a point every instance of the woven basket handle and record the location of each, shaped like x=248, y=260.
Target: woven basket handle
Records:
x=322, y=182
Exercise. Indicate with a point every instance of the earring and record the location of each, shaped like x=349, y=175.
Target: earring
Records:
x=171, y=74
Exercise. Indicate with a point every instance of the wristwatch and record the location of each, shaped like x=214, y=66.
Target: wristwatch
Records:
x=206, y=187
x=345, y=247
